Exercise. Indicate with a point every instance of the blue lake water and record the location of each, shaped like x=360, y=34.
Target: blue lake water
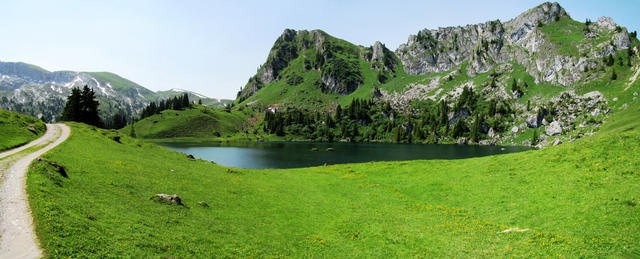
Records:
x=301, y=154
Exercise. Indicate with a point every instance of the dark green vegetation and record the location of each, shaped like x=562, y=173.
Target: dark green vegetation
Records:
x=175, y=103
x=577, y=199
x=17, y=129
x=211, y=102
x=368, y=121
x=82, y=106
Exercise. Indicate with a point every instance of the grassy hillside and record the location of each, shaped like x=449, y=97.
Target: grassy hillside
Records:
x=197, y=122
x=14, y=129
x=579, y=199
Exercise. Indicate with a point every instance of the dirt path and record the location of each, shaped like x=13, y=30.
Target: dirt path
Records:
x=18, y=239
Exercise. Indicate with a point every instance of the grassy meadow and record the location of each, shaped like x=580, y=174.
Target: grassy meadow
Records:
x=14, y=129
x=580, y=199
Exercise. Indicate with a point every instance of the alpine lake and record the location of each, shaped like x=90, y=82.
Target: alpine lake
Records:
x=261, y=155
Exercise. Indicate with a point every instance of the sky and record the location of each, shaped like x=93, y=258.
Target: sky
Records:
x=213, y=47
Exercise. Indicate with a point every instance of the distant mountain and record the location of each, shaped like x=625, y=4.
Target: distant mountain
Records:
x=32, y=90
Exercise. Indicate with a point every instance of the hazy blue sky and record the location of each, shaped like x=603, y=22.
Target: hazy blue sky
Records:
x=213, y=47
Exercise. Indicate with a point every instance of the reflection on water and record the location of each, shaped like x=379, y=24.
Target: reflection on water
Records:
x=304, y=154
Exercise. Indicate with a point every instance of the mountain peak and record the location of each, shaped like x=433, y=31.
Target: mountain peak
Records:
x=543, y=13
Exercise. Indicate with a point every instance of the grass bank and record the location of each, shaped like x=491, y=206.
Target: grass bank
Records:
x=576, y=199
x=14, y=129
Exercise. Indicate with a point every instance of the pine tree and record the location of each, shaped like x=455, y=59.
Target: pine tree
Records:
x=132, y=133
x=89, y=108
x=71, y=110
x=614, y=76
x=200, y=101
x=458, y=129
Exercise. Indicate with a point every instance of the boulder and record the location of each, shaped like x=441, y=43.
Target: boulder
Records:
x=32, y=129
x=514, y=129
x=485, y=143
x=492, y=133
x=532, y=121
x=168, y=198
x=553, y=129
x=557, y=142
x=526, y=143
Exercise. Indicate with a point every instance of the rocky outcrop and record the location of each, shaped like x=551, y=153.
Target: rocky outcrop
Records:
x=553, y=129
x=520, y=40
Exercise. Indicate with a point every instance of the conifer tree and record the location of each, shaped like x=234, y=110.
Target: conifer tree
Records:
x=71, y=110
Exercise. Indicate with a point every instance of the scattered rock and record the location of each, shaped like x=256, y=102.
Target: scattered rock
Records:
x=485, y=143
x=203, y=204
x=492, y=133
x=461, y=141
x=514, y=129
x=615, y=99
x=635, y=93
x=32, y=129
x=191, y=157
x=526, y=143
x=58, y=167
x=557, y=142
x=595, y=112
x=514, y=230
x=532, y=121
x=168, y=198
x=553, y=129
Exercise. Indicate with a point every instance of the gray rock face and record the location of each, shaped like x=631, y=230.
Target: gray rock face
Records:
x=519, y=40
x=533, y=121
x=553, y=129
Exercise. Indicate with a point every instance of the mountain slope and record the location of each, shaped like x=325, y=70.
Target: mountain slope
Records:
x=32, y=90
x=551, y=75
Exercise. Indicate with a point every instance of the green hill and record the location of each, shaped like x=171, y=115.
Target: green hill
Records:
x=14, y=129
x=575, y=200
x=196, y=122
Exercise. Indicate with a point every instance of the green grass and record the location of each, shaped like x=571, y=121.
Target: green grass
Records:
x=196, y=122
x=14, y=129
x=580, y=199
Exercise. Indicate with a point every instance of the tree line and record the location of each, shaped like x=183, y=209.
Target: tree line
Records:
x=369, y=120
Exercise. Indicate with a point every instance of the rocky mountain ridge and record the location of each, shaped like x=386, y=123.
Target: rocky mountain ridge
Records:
x=531, y=65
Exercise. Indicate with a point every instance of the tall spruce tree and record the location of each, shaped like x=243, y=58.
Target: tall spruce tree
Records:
x=72, y=108
x=89, y=107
